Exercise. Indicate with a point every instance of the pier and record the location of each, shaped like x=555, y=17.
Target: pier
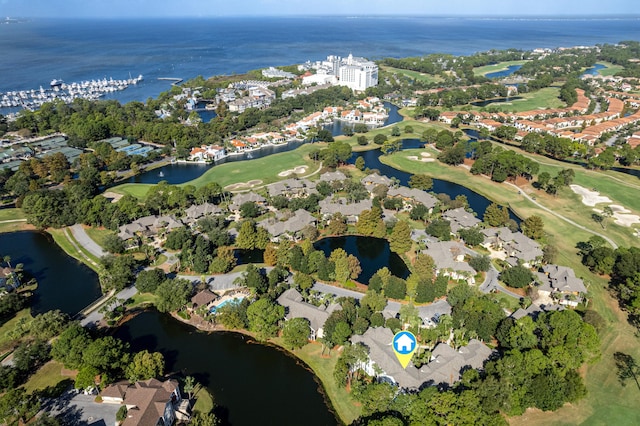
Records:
x=174, y=80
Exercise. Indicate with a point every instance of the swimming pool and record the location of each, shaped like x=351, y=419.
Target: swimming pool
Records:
x=235, y=301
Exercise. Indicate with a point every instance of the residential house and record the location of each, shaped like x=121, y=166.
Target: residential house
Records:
x=148, y=226
x=292, y=188
x=207, y=153
x=9, y=280
x=351, y=211
x=383, y=363
x=296, y=307
x=150, y=402
x=559, y=283
x=514, y=247
x=447, y=364
x=460, y=219
x=373, y=180
x=448, y=257
x=291, y=226
x=534, y=310
x=411, y=196
x=247, y=197
x=332, y=177
x=195, y=212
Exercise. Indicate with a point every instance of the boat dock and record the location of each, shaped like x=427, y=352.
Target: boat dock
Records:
x=174, y=80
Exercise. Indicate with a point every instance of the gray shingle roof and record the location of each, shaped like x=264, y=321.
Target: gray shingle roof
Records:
x=417, y=195
x=460, y=219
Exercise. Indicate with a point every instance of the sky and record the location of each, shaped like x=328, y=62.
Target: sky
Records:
x=213, y=8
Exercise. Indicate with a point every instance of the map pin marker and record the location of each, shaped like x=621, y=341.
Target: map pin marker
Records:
x=404, y=345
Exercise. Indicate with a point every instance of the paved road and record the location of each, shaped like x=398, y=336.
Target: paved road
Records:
x=87, y=243
x=94, y=317
x=577, y=225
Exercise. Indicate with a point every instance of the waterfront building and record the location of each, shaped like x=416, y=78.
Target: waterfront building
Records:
x=358, y=73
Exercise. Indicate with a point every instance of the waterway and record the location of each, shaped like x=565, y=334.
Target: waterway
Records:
x=594, y=70
x=337, y=127
x=499, y=74
x=373, y=254
x=63, y=282
x=495, y=101
x=252, y=384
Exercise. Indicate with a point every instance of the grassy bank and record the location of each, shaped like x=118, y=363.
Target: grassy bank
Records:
x=540, y=99
x=64, y=239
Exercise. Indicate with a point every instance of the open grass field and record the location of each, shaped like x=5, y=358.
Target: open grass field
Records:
x=500, y=66
x=608, y=402
x=11, y=214
x=540, y=99
x=415, y=75
x=48, y=376
x=204, y=400
x=97, y=234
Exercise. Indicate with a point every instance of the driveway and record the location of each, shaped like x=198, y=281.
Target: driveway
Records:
x=79, y=409
x=93, y=318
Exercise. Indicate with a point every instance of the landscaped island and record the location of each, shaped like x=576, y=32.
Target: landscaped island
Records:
x=509, y=318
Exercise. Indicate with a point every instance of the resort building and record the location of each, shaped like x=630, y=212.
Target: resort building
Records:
x=358, y=73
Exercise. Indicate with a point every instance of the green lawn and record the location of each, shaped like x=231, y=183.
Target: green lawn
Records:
x=98, y=234
x=323, y=366
x=67, y=243
x=204, y=400
x=540, y=99
x=500, y=66
x=11, y=214
x=415, y=75
x=49, y=376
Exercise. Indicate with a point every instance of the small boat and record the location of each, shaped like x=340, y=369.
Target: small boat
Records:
x=161, y=174
x=56, y=83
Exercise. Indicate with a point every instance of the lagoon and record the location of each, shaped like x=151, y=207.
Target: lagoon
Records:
x=63, y=282
x=252, y=384
x=499, y=74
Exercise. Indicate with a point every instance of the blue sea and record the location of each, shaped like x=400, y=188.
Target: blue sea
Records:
x=35, y=52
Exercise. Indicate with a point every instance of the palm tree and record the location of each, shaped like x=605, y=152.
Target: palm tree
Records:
x=189, y=385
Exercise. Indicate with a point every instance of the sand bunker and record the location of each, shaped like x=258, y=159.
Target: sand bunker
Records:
x=240, y=185
x=295, y=171
x=425, y=154
x=412, y=157
x=622, y=216
x=589, y=198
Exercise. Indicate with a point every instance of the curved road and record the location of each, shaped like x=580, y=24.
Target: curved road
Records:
x=577, y=225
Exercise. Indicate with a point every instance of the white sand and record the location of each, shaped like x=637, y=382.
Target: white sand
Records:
x=412, y=157
x=427, y=160
x=589, y=198
x=425, y=154
x=294, y=171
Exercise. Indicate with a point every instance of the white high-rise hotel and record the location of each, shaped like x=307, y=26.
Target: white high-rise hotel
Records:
x=354, y=72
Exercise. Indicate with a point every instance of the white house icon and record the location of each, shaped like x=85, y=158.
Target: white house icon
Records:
x=404, y=344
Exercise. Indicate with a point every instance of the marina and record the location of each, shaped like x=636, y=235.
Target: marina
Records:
x=66, y=92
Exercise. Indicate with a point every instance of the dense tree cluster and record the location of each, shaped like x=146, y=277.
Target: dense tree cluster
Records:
x=502, y=164
x=622, y=264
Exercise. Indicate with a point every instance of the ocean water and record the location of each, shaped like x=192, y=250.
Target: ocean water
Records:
x=35, y=52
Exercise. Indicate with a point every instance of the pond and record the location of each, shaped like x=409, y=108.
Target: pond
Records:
x=477, y=202
x=63, y=282
x=373, y=254
x=495, y=101
x=252, y=384
x=594, y=70
x=337, y=127
x=499, y=74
